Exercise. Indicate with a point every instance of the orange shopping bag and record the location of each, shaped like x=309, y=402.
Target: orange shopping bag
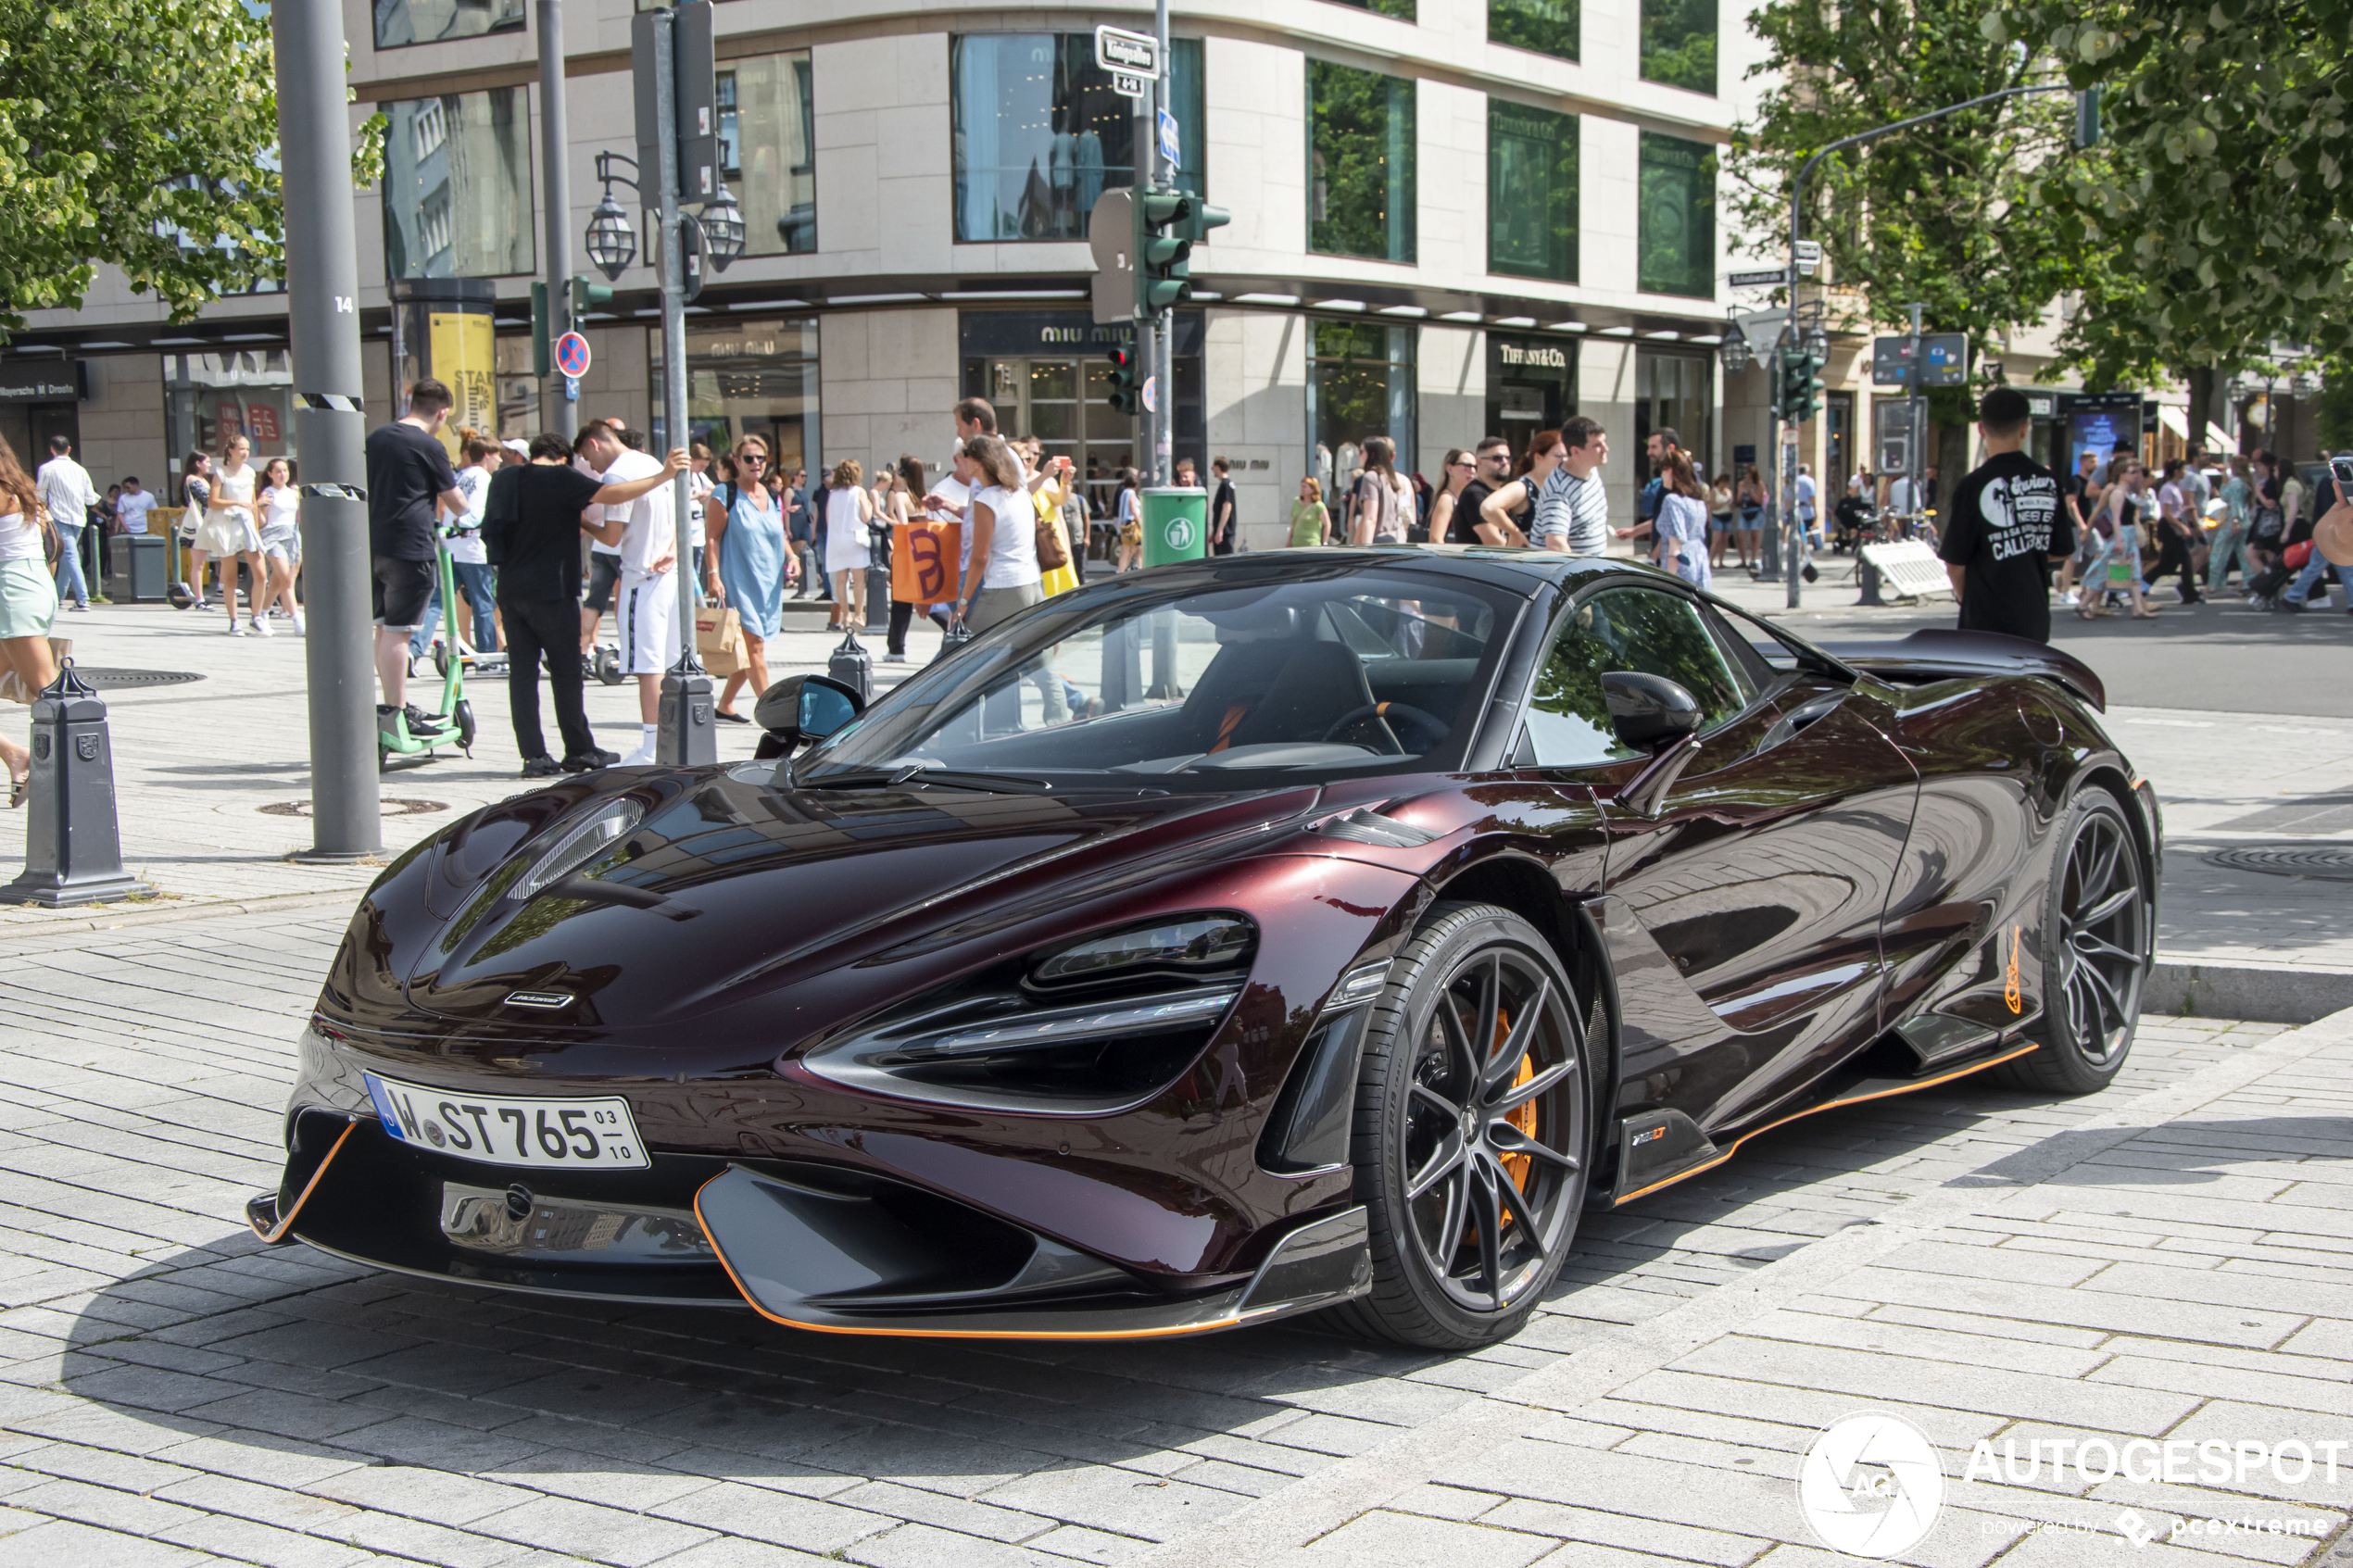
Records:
x=926, y=562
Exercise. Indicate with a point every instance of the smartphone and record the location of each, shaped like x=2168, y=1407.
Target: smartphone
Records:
x=2342, y=466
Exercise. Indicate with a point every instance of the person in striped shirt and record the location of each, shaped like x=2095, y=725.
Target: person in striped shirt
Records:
x=1572, y=510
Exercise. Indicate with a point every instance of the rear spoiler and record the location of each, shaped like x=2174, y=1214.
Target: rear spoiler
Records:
x=1942, y=655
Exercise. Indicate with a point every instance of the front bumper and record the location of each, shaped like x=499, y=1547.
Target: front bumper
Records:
x=830, y=1248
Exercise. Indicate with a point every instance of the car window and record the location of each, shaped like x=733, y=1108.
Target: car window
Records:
x=1635, y=629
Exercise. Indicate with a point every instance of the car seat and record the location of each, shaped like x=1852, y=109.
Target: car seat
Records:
x=1258, y=693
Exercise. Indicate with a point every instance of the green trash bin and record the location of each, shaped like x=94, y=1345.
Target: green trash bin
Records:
x=1175, y=525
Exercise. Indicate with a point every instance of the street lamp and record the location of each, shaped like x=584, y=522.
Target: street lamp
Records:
x=1734, y=351
x=1818, y=343
x=723, y=230
x=612, y=244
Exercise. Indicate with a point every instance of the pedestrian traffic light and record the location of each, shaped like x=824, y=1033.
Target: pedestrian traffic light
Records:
x=1162, y=254
x=585, y=297
x=1126, y=396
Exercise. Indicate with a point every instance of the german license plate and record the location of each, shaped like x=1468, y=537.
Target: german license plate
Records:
x=541, y=1135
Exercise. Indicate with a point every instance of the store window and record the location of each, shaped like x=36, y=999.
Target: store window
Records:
x=767, y=136
x=749, y=378
x=1674, y=391
x=400, y=22
x=1360, y=384
x=1360, y=157
x=457, y=188
x=1531, y=191
x=1679, y=44
x=1037, y=133
x=1548, y=27
x=209, y=398
x=1531, y=385
x=1676, y=240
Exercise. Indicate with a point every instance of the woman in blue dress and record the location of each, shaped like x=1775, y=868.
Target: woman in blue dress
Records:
x=747, y=564
x=1683, y=523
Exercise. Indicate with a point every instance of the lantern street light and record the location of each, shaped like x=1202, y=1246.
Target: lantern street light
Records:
x=1734, y=351
x=612, y=244
x=723, y=229
x=1818, y=343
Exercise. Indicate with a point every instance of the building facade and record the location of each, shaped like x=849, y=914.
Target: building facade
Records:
x=1451, y=218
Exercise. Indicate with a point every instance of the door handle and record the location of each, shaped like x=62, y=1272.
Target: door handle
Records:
x=1798, y=718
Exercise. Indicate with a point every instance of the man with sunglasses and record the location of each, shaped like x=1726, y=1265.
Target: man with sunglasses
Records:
x=1491, y=461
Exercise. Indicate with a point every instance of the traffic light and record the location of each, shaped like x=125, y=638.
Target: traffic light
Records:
x=1162, y=254
x=586, y=296
x=1800, y=387
x=1198, y=218
x=2087, y=117
x=1126, y=393
x=542, y=334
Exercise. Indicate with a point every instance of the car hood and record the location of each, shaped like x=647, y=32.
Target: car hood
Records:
x=731, y=883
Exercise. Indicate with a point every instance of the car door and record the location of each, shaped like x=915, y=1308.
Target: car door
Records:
x=1743, y=913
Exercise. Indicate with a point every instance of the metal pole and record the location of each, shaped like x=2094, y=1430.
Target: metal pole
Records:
x=1146, y=341
x=557, y=178
x=330, y=424
x=1918, y=410
x=688, y=734
x=1165, y=326
x=1794, y=541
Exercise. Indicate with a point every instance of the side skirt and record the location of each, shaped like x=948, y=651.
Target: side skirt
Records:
x=1867, y=1090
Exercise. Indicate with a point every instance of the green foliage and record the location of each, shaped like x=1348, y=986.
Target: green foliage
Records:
x=1675, y=230
x=1934, y=213
x=1548, y=27
x=1360, y=162
x=140, y=134
x=1531, y=191
x=2218, y=199
x=1679, y=44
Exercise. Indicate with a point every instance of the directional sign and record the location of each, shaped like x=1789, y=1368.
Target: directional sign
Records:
x=571, y=355
x=1946, y=358
x=1892, y=361
x=1128, y=85
x=1136, y=52
x=1766, y=280
x=1168, y=139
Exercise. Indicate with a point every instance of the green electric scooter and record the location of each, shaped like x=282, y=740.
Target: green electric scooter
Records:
x=396, y=747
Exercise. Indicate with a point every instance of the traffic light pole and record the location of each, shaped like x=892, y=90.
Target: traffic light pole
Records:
x=556, y=175
x=330, y=423
x=1164, y=411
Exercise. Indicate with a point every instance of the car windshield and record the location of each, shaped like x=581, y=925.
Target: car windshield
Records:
x=1299, y=674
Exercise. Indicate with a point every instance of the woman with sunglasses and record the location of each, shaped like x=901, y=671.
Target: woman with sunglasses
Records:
x=748, y=563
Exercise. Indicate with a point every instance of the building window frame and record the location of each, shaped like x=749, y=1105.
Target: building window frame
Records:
x=1664, y=224
x=436, y=212
x=1554, y=229
x=1681, y=44
x=1389, y=149
x=1340, y=355
x=513, y=20
x=1524, y=24
x=792, y=229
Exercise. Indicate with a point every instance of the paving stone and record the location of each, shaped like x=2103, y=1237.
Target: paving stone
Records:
x=1381, y=1539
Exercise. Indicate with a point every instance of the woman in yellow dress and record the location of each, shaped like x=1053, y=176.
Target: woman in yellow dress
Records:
x=1051, y=484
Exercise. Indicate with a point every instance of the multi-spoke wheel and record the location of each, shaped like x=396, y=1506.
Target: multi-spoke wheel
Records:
x=2099, y=935
x=1473, y=1131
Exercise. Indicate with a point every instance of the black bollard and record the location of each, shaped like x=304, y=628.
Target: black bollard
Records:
x=1867, y=577
x=72, y=847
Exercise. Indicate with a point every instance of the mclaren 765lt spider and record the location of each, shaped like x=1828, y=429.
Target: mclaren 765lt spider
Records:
x=1318, y=931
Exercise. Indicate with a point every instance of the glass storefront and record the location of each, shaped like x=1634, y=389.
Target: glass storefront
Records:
x=1675, y=243
x=1531, y=385
x=1048, y=374
x=1674, y=391
x=1360, y=155
x=1037, y=133
x=1531, y=191
x=1360, y=384
x=746, y=378
x=456, y=186
x=767, y=140
x=209, y=398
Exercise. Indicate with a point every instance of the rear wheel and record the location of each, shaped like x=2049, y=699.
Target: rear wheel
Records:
x=2100, y=935
x=1473, y=1131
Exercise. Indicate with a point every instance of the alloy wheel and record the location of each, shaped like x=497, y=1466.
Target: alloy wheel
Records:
x=2102, y=938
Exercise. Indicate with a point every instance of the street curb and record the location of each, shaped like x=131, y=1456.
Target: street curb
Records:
x=1271, y=1530
x=26, y=934
x=2249, y=992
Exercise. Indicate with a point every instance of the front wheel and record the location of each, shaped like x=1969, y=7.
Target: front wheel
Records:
x=2099, y=936
x=1473, y=1131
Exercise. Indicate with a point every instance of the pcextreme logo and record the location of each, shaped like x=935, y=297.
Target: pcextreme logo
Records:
x=1870, y=1486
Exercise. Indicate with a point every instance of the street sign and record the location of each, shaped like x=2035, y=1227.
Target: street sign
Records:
x=1945, y=359
x=1809, y=256
x=1136, y=52
x=1128, y=85
x=1775, y=278
x=572, y=389
x=571, y=355
x=1168, y=139
x=1111, y=230
x=1892, y=361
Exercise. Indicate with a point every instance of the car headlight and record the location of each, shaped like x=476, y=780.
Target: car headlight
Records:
x=581, y=847
x=1191, y=946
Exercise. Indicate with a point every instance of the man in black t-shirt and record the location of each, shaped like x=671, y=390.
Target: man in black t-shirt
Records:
x=409, y=473
x=1221, y=525
x=2005, y=527
x=532, y=536
x=1492, y=470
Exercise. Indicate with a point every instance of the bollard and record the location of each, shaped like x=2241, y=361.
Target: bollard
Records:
x=1867, y=577
x=72, y=847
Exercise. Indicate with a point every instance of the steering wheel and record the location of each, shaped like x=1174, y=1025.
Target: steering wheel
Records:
x=1387, y=711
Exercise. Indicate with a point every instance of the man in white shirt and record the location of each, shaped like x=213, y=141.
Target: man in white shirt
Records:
x=1572, y=510
x=645, y=532
x=1808, y=494
x=133, y=505
x=66, y=490
x=604, y=561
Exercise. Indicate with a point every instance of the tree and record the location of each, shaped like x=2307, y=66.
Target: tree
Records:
x=1933, y=214
x=140, y=134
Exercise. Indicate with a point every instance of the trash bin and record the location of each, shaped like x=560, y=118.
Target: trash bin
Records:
x=137, y=570
x=1175, y=525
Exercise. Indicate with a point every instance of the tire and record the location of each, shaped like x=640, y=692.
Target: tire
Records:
x=1471, y=972
x=2099, y=938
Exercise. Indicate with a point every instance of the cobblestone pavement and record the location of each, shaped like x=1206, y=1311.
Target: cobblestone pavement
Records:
x=2170, y=1258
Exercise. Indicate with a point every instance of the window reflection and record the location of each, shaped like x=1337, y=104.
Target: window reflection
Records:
x=766, y=140
x=457, y=190
x=1676, y=238
x=1531, y=191
x=429, y=21
x=1360, y=151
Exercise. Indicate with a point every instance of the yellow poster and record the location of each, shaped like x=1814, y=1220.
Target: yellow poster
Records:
x=464, y=358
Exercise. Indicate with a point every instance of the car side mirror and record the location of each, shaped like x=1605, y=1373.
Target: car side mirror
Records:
x=806, y=707
x=1648, y=712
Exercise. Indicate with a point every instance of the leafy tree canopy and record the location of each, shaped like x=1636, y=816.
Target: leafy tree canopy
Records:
x=140, y=134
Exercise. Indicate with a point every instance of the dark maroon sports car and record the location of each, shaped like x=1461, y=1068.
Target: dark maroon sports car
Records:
x=1321, y=930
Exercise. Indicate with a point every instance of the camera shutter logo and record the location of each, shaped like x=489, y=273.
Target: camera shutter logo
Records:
x=1870, y=1486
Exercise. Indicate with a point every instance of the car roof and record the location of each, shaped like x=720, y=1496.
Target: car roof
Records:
x=1517, y=569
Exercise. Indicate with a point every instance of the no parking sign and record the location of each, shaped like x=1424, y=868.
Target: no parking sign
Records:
x=571, y=355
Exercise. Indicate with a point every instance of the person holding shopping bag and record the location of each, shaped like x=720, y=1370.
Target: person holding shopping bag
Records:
x=748, y=563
